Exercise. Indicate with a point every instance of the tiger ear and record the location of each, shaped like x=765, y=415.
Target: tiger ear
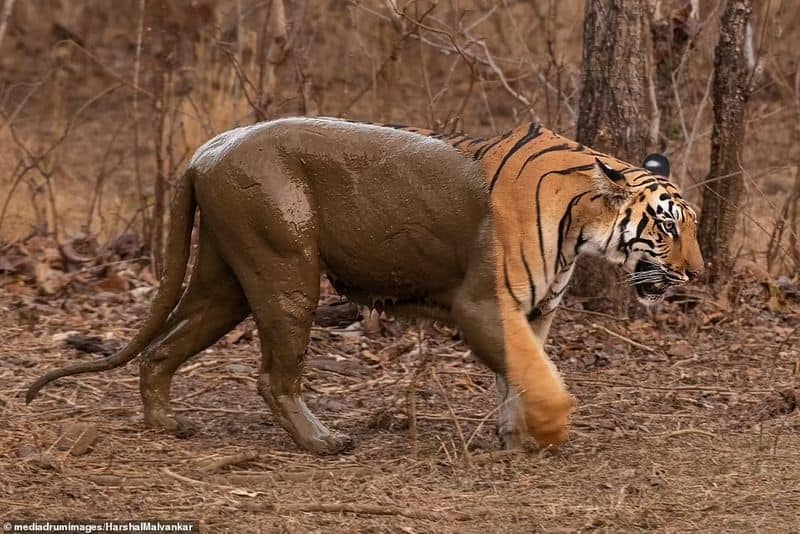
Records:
x=611, y=184
x=658, y=164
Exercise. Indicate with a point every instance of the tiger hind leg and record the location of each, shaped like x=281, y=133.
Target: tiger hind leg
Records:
x=283, y=289
x=212, y=304
x=511, y=427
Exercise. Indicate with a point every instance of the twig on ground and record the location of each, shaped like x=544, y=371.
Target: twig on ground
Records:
x=625, y=339
x=683, y=432
x=712, y=389
x=122, y=481
x=411, y=398
x=181, y=478
x=270, y=477
x=364, y=509
x=592, y=312
x=212, y=466
x=487, y=416
x=496, y=456
x=464, y=449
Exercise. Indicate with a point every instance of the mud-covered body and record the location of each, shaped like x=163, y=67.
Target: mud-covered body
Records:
x=395, y=217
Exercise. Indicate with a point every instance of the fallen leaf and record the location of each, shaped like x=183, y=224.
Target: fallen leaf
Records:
x=113, y=284
x=679, y=349
x=47, y=280
x=76, y=438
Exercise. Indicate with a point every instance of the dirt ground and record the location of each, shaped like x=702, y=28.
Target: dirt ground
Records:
x=685, y=422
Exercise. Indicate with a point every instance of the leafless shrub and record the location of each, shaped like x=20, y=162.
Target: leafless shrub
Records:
x=184, y=71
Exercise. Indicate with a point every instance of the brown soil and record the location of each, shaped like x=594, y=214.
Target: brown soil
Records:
x=689, y=423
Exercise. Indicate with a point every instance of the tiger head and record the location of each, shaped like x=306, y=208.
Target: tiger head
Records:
x=654, y=231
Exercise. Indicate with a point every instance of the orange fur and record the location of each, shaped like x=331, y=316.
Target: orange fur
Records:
x=545, y=403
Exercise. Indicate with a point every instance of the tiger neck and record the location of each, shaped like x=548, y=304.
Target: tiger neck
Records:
x=543, y=230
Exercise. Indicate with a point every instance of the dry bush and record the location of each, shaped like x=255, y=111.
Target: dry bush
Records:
x=204, y=67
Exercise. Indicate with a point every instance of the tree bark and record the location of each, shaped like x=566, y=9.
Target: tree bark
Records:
x=673, y=26
x=5, y=14
x=613, y=105
x=613, y=114
x=723, y=188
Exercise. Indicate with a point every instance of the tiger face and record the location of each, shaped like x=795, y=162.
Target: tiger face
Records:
x=654, y=237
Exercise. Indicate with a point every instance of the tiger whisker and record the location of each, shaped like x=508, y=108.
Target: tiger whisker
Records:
x=633, y=284
x=645, y=277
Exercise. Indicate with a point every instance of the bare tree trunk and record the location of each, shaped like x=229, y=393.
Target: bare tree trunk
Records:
x=613, y=105
x=725, y=184
x=161, y=86
x=672, y=29
x=165, y=58
x=4, y=16
x=613, y=115
x=272, y=55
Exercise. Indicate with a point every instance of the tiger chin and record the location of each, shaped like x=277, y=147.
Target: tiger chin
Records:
x=483, y=233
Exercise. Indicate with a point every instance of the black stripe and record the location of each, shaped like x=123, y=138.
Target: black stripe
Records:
x=642, y=225
x=539, y=210
x=648, y=180
x=558, y=293
x=635, y=240
x=613, y=174
x=566, y=147
x=487, y=147
x=613, y=227
x=508, y=284
x=533, y=132
x=554, y=148
x=530, y=276
x=564, y=226
x=534, y=314
x=623, y=223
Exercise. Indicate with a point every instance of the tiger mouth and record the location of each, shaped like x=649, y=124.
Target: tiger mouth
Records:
x=656, y=284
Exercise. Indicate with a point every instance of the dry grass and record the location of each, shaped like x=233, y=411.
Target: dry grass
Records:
x=359, y=60
x=697, y=431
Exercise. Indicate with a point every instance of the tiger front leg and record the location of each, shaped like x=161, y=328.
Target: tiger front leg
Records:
x=511, y=426
x=506, y=343
x=545, y=404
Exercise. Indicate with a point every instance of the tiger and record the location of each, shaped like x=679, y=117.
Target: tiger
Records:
x=483, y=233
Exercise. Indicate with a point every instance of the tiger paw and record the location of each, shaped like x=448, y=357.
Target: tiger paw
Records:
x=179, y=426
x=548, y=419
